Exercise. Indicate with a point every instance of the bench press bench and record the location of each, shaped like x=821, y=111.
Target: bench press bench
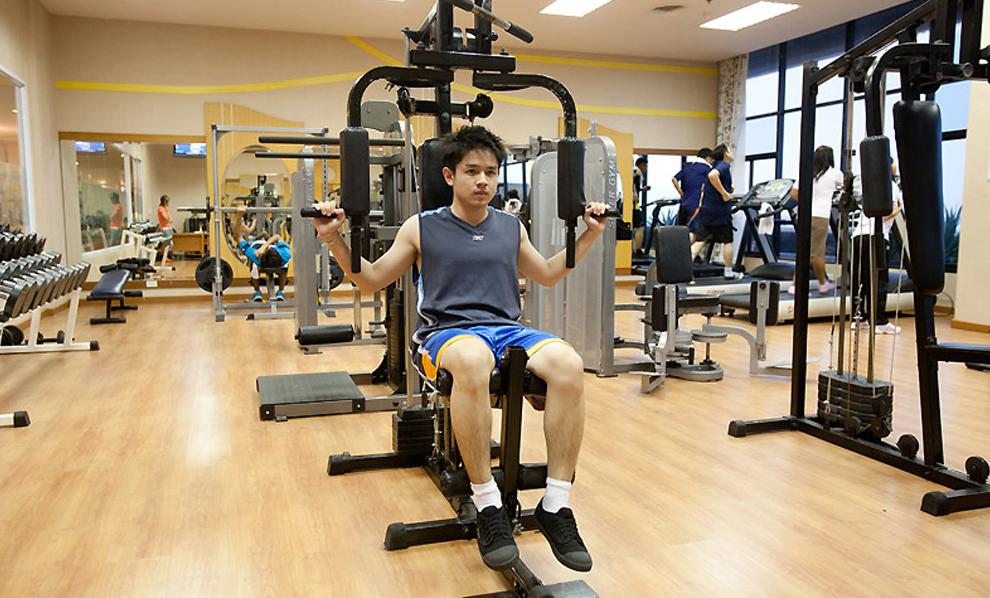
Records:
x=110, y=288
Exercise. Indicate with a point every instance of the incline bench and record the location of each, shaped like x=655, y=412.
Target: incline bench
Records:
x=110, y=289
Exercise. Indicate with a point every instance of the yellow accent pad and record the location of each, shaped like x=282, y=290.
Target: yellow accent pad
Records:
x=207, y=89
x=624, y=66
x=430, y=368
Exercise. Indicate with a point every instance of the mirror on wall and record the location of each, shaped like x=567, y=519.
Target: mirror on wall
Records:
x=109, y=191
x=117, y=184
x=14, y=205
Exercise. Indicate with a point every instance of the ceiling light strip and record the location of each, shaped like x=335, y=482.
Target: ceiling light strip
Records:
x=749, y=16
x=573, y=8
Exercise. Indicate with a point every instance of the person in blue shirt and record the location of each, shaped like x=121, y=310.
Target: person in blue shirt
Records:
x=715, y=209
x=689, y=182
x=272, y=252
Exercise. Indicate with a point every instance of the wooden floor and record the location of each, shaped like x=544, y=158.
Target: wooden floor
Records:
x=146, y=472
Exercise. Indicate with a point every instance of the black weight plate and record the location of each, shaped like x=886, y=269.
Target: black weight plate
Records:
x=205, y=274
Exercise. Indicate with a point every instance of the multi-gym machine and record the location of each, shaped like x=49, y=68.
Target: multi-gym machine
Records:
x=854, y=411
x=331, y=393
x=421, y=434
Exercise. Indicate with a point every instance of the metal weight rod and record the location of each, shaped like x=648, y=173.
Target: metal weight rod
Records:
x=234, y=209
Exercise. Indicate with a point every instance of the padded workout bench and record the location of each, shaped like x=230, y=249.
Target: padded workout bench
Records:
x=110, y=289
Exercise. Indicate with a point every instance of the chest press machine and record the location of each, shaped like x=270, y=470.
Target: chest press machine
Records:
x=421, y=431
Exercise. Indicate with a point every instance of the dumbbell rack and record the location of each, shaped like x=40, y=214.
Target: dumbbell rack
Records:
x=146, y=239
x=31, y=278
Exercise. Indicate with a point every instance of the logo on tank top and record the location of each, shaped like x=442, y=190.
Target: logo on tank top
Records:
x=478, y=238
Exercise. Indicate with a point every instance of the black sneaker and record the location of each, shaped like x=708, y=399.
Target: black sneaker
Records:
x=561, y=531
x=495, y=541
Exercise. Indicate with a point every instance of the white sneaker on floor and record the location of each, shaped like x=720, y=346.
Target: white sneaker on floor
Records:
x=888, y=328
x=862, y=325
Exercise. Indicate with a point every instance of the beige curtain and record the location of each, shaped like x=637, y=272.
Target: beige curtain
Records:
x=731, y=102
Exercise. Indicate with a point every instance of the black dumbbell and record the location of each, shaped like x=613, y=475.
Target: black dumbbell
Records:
x=59, y=338
x=43, y=281
x=13, y=296
x=58, y=277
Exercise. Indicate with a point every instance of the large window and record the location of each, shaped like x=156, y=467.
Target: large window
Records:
x=14, y=204
x=773, y=108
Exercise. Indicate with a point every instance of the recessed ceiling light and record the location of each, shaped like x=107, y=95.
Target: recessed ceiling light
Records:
x=750, y=15
x=573, y=8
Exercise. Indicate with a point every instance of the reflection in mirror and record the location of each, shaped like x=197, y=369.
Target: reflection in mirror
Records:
x=109, y=191
x=13, y=199
x=256, y=183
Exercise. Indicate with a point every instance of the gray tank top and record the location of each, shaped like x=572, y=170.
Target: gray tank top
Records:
x=469, y=274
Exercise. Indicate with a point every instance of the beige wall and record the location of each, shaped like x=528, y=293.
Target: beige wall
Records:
x=973, y=283
x=26, y=49
x=118, y=52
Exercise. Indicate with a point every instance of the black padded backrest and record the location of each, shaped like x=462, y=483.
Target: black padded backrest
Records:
x=673, y=248
x=918, y=127
x=434, y=192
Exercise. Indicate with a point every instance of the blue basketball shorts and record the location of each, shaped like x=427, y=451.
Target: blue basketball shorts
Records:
x=429, y=356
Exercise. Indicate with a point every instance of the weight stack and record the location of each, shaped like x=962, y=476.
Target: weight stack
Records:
x=412, y=431
x=860, y=406
x=396, y=343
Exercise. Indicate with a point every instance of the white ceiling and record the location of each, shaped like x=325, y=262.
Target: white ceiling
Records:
x=620, y=28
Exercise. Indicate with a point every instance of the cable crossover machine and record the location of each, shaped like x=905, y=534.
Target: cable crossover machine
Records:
x=854, y=411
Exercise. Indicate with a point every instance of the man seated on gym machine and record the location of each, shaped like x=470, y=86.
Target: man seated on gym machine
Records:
x=271, y=253
x=469, y=257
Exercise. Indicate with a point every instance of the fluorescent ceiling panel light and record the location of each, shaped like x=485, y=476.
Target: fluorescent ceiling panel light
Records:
x=750, y=15
x=573, y=8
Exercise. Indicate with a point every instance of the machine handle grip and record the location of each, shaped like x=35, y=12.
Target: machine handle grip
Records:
x=311, y=212
x=510, y=28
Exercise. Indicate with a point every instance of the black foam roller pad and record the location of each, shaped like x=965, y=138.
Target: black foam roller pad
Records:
x=918, y=128
x=325, y=335
x=21, y=419
x=875, y=161
x=570, y=178
x=355, y=181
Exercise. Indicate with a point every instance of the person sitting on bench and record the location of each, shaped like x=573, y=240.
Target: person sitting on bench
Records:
x=469, y=257
x=271, y=254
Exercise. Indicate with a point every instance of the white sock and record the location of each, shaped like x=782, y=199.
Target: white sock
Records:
x=486, y=495
x=558, y=491
x=728, y=271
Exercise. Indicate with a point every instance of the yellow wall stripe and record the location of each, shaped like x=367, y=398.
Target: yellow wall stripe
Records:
x=498, y=97
x=373, y=51
x=207, y=89
x=625, y=66
x=509, y=99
